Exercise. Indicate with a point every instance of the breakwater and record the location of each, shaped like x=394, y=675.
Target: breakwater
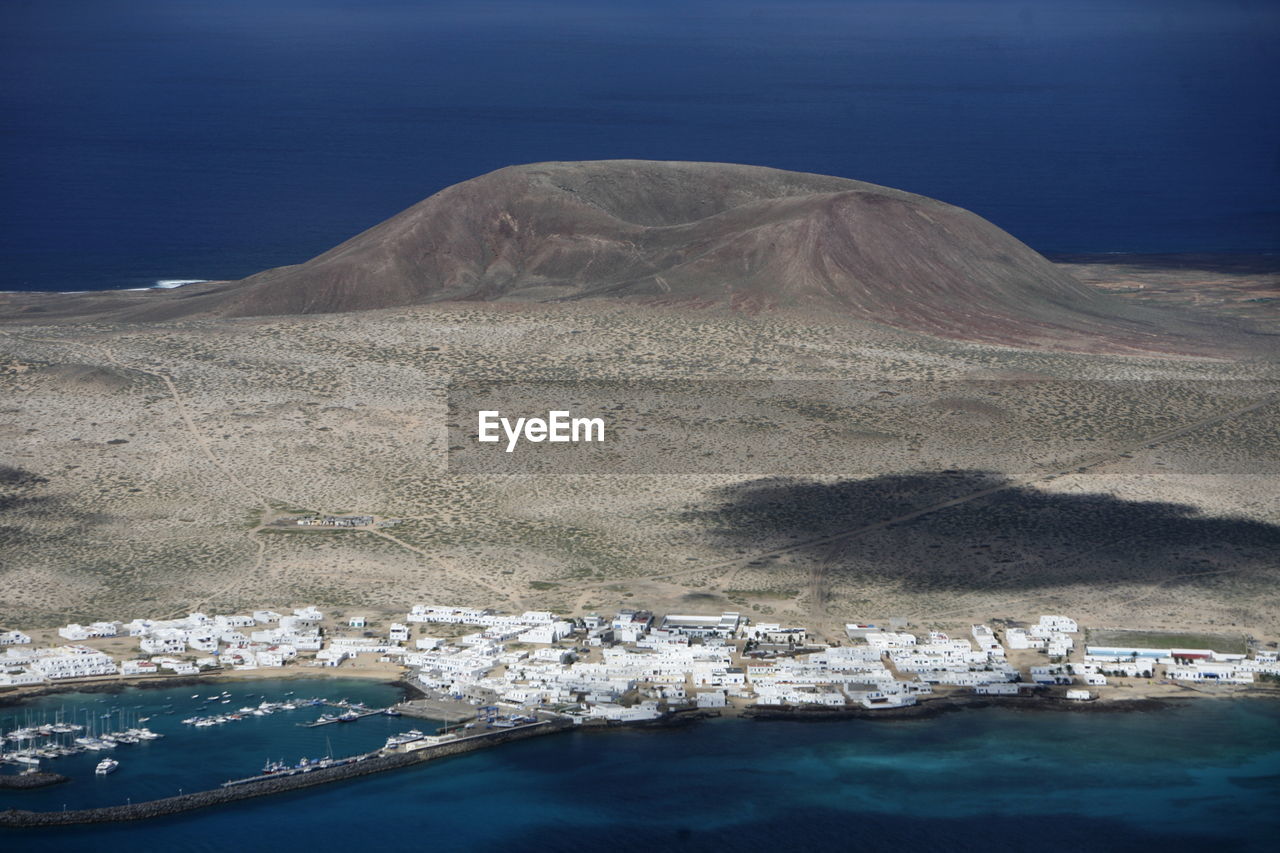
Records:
x=365, y=765
x=26, y=781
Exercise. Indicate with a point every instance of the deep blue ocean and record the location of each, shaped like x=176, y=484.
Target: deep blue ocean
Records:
x=1203, y=776
x=186, y=139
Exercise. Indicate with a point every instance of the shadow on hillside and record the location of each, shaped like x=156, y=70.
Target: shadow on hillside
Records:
x=1014, y=538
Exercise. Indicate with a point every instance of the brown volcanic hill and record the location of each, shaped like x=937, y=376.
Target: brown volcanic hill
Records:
x=700, y=233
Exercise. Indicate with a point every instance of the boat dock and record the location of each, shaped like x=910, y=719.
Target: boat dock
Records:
x=350, y=714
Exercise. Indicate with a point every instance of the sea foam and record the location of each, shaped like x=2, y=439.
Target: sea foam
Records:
x=170, y=283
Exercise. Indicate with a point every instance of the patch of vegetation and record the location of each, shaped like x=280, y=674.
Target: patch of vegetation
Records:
x=1225, y=643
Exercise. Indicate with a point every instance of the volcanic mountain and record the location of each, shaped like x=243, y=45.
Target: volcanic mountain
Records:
x=753, y=238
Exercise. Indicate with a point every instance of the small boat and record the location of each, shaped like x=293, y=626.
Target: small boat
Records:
x=105, y=766
x=392, y=712
x=349, y=717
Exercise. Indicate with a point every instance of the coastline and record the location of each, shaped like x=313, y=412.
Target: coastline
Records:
x=377, y=761
x=1152, y=695
x=118, y=683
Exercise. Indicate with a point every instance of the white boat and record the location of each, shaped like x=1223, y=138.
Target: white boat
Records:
x=105, y=766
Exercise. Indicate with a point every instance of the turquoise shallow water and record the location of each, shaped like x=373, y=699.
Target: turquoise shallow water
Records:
x=1202, y=776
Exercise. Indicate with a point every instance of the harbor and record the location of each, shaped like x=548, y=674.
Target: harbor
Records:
x=186, y=757
x=1032, y=759
x=283, y=780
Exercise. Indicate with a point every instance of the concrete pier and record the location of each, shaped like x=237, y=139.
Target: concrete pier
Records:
x=374, y=762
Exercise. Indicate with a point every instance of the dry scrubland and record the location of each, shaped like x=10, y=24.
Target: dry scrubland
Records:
x=142, y=465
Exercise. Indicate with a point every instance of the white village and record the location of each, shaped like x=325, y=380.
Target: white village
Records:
x=633, y=666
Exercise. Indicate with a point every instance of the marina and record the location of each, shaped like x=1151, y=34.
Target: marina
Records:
x=350, y=713
x=183, y=757
x=262, y=709
x=40, y=741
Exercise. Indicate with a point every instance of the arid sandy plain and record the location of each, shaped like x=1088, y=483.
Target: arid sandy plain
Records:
x=144, y=466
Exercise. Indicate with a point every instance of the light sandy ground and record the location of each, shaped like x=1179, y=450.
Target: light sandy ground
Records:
x=144, y=467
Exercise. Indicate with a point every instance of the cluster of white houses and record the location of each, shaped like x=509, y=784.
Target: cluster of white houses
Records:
x=644, y=665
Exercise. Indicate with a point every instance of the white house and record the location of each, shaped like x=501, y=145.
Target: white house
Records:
x=19, y=677
x=330, y=657
x=14, y=638
x=203, y=640
x=1059, y=624
x=139, y=667
x=168, y=644
x=718, y=676
x=308, y=614
x=712, y=699
x=553, y=655
x=1017, y=638
x=74, y=662
x=771, y=632
x=889, y=640
x=986, y=640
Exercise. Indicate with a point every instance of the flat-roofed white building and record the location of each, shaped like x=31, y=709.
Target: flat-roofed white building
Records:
x=725, y=625
x=74, y=662
x=890, y=640
x=167, y=643
x=1059, y=624
x=139, y=667
x=17, y=677
x=14, y=638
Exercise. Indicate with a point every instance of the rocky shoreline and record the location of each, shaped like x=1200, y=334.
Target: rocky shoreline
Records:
x=949, y=704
